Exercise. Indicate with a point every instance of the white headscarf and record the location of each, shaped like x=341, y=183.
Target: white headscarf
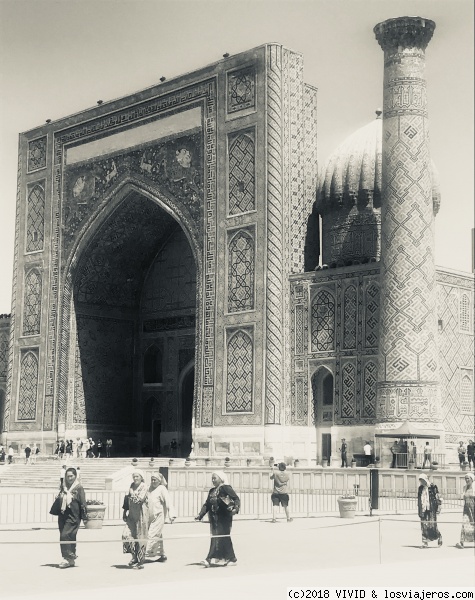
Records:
x=471, y=475
x=67, y=496
x=424, y=477
x=139, y=472
x=222, y=476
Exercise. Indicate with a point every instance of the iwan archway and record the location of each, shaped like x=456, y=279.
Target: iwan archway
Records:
x=133, y=311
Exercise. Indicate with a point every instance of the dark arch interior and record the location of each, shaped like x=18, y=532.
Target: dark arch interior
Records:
x=134, y=295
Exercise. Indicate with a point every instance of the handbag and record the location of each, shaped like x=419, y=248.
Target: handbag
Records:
x=55, y=509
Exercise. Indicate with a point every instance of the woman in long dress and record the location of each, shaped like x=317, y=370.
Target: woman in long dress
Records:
x=159, y=510
x=135, y=515
x=73, y=509
x=467, y=533
x=428, y=504
x=221, y=504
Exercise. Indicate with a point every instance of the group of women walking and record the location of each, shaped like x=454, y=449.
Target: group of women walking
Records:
x=429, y=504
x=145, y=510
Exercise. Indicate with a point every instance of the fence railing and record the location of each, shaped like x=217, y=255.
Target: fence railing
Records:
x=23, y=508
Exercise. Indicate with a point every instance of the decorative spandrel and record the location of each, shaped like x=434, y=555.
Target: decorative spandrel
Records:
x=175, y=165
x=348, y=391
x=28, y=387
x=371, y=316
x=241, y=90
x=323, y=322
x=3, y=357
x=349, y=322
x=35, y=222
x=242, y=174
x=241, y=267
x=239, y=373
x=32, y=304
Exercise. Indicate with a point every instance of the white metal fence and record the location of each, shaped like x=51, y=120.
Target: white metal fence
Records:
x=22, y=508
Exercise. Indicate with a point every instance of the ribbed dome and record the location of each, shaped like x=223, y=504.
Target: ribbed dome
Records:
x=353, y=172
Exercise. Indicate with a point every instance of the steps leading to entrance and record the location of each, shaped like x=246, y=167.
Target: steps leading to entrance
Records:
x=46, y=474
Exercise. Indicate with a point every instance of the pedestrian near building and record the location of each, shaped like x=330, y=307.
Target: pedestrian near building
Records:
x=73, y=509
x=108, y=447
x=461, y=451
x=159, y=510
x=471, y=454
x=427, y=455
x=343, y=451
x=135, y=516
x=221, y=504
x=85, y=448
x=280, y=493
x=368, y=452
x=34, y=454
x=99, y=448
x=27, y=454
x=467, y=533
x=11, y=452
x=428, y=504
x=2, y=454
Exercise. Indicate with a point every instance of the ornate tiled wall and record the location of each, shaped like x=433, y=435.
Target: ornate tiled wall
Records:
x=335, y=323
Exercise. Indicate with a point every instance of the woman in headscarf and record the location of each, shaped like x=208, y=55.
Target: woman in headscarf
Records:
x=468, y=519
x=135, y=515
x=73, y=509
x=221, y=504
x=159, y=510
x=428, y=504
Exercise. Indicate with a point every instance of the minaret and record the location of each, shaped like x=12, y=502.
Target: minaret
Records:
x=408, y=387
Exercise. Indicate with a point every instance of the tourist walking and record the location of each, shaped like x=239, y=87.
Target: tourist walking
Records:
x=34, y=454
x=73, y=509
x=135, y=515
x=467, y=533
x=221, y=504
x=280, y=493
x=85, y=448
x=99, y=447
x=11, y=452
x=27, y=454
x=368, y=453
x=108, y=447
x=461, y=451
x=471, y=454
x=428, y=504
x=90, y=452
x=159, y=510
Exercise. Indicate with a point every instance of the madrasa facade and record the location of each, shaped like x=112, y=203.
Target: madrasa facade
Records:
x=183, y=273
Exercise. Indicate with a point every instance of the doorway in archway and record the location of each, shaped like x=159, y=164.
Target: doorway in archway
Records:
x=323, y=393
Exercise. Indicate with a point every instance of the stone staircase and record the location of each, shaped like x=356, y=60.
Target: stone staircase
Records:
x=46, y=474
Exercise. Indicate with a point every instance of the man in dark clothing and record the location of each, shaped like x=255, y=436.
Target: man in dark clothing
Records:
x=471, y=454
x=343, y=450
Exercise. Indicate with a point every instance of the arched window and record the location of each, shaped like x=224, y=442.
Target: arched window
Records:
x=28, y=391
x=239, y=373
x=465, y=313
x=466, y=396
x=32, y=304
x=241, y=272
x=322, y=393
x=152, y=365
x=323, y=322
x=35, y=219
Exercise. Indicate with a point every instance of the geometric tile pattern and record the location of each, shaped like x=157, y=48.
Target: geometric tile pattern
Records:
x=465, y=313
x=372, y=316
x=37, y=154
x=349, y=318
x=348, y=391
x=408, y=355
x=241, y=89
x=241, y=174
x=323, y=322
x=241, y=272
x=35, y=219
x=32, y=304
x=28, y=387
x=466, y=392
x=3, y=355
x=239, y=372
x=369, y=389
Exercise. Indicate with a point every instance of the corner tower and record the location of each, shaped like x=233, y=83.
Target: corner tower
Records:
x=408, y=387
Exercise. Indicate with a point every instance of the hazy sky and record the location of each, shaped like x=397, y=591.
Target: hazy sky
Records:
x=58, y=57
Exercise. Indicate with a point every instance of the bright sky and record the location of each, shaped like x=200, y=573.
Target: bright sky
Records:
x=60, y=57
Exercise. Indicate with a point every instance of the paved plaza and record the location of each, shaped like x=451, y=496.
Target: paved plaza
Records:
x=321, y=552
